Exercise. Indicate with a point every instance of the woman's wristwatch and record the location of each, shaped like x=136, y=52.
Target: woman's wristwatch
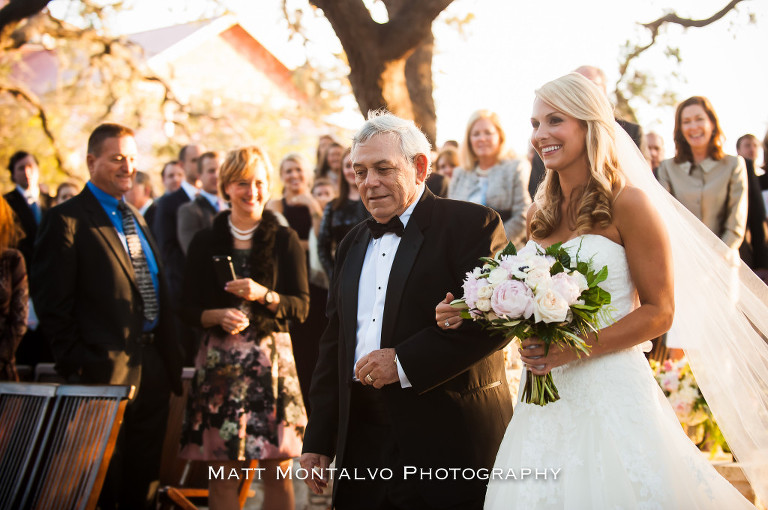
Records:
x=269, y=297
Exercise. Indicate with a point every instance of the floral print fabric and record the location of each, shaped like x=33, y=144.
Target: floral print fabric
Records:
x=245, y=401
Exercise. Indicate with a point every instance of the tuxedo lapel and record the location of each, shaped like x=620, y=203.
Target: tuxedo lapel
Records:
x=410, y=246
x=350, y=283
x=102, y=224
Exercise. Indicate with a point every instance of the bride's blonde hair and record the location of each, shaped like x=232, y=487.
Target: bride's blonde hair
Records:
x=577, y=97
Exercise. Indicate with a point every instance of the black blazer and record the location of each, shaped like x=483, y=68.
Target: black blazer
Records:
x=86, y=297
x=458, y=409
x=165, y=230
x=277, y=262
x=26, y=219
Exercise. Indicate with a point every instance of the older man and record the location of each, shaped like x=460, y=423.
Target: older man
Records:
x=391, y=391
x=100, y=294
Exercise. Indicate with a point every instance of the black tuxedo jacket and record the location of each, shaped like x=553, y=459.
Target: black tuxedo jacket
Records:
x=165, y=229
x=87, y=299
x=193, y=217
x=458, y=409
x=27, y=221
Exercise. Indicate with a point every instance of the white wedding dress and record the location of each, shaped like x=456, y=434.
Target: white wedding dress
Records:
x=612, y=434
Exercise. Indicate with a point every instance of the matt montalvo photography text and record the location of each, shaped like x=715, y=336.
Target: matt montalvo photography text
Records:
x=408, y=473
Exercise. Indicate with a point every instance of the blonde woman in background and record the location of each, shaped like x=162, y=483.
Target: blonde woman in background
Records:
x=492, y=176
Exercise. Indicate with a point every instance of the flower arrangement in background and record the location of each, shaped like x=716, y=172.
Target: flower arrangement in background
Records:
x=678, y=384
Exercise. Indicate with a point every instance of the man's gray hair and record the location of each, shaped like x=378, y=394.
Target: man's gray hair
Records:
x=412, y=141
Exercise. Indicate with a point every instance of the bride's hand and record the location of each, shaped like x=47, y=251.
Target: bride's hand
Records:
x=447, y=317
x=532, y=354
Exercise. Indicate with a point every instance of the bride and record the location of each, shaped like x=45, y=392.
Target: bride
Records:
x=612, y=435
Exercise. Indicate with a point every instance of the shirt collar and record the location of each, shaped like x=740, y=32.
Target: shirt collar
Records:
x=213, y=199
x=409, y=210
x=105, y=199
x=32, y=195
x=706, y=165
x=190, y=190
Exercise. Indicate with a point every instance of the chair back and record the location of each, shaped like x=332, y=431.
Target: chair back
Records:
x=71, y=444
x=23, y=410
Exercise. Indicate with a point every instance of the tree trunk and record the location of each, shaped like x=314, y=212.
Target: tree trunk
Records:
x=391, y=63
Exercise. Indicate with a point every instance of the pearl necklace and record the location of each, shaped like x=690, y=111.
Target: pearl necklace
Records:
x=241, y=235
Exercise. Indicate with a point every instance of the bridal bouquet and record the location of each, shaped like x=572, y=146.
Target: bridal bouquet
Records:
x=537, y=292
x=682, y=392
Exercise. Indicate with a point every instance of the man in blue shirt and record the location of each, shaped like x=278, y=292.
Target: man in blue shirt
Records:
x=100, y=294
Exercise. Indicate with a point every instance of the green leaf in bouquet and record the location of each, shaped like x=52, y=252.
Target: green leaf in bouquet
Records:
x=583, y=268
x=509, y=249
x=564, y=258
x=510, y=324
x=490, y=261
x=585, y=306
x=557, y=267
x=460, y=304
x=464, y=314
x=553, y=250
x=595, y=278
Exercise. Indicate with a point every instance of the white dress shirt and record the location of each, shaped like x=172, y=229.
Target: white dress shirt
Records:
x=189, y=189
x=372, y=290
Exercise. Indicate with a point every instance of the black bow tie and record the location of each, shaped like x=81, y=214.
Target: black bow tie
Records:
x=377, y=229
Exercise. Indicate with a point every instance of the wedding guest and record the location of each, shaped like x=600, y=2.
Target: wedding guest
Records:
x=655, y=144
x=339, y=216
x=707, y=181
x=26, y=200
x=492, y=176
x=300, y=209
x=753, y=251
x=14, y=293
x=172, y=175
x=245, y=401
x=198, y=214
x=323, y=191
x=439, y=180
x=65, y=191
x=141, y=196
x=323, y=142
x=330, y=165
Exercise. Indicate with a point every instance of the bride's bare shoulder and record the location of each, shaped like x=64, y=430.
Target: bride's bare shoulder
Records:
x=632, y=209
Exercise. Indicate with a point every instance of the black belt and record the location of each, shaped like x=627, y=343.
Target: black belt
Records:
x=147, y=338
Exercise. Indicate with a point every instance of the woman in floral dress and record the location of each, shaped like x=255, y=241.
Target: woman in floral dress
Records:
x=245, y=401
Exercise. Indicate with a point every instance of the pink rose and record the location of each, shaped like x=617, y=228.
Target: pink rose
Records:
x=566, y=286
x=512, y=299
x=471, y=287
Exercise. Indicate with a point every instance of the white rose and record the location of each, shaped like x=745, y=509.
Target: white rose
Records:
x=538, y=278
x=497, y=276
x=483, y=304
x=485, y=292
x=580, y=280
x=540, y=262
x=549, y=306
x=529, y=250
x=566, y=286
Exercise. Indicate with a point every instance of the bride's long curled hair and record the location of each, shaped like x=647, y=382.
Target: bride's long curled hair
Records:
x=592, y=205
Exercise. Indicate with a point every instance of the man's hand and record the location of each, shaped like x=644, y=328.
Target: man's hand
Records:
x=377, y=368
x=317, y=480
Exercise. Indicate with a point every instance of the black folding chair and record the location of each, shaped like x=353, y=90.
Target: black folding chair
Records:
x=24, y=408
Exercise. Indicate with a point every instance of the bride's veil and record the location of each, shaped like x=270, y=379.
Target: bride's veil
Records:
x=721, y=321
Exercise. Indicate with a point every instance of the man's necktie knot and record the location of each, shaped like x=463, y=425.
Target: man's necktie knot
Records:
x=377, y=229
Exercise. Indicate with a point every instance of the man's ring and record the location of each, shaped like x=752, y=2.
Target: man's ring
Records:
x=369, y=378
x=447, y=324
x=240, y=291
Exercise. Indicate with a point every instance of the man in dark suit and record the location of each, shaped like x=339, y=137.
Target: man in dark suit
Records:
x=100, y=293
x=198, y=214
x=166, y=230
x=390, y=390
x=29, y=205
x=25, y=199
